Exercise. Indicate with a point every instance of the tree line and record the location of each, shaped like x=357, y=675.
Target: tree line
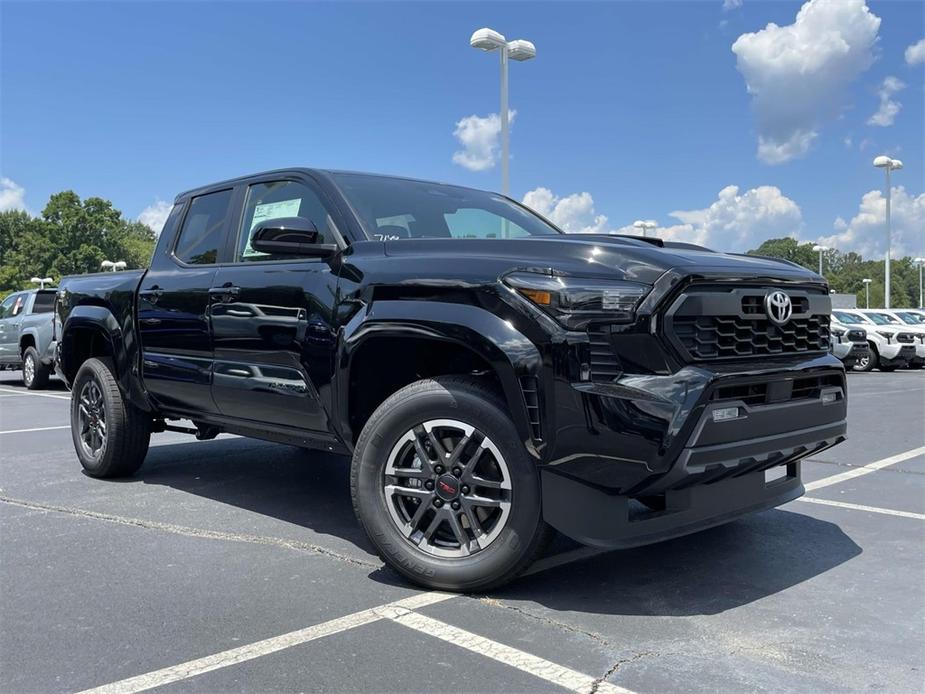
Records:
x=73, y=236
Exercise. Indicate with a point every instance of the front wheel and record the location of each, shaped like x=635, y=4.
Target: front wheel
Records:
x=867, y=361
x=445, y=489
x=34, y=373
x=110, y=435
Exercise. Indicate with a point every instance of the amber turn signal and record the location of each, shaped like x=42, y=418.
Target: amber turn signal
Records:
x=537, y=296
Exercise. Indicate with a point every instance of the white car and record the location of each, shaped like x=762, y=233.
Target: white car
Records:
x=891, y=347
x=903, y=320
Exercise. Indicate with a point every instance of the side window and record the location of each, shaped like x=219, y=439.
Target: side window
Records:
x=44, y=302
x=203, y=229
x=6, y=308
x=277, y=200
x=473, y=223
x=18, y=305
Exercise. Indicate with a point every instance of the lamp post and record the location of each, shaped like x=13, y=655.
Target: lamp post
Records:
x=41, y=281
x=820, y=250
x=520, y=50
x=112, y=266
x=867, y=289
x=920, y=262
x=888, y=165
x=644, y=226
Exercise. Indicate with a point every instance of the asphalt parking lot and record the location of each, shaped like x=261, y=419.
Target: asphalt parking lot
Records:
x=237, y=565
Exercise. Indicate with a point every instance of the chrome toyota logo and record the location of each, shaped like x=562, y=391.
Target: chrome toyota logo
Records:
x=778, y=307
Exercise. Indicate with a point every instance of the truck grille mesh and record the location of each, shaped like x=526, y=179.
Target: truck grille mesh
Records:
x=718, y=337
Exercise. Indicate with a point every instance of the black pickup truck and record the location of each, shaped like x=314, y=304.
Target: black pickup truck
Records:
x=492, y=377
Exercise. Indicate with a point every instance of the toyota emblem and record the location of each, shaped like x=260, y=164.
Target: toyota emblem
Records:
x=778, y=307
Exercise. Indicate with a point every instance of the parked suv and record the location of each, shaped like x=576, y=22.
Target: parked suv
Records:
x=27, y=335
x=890, y=346
x=490, y=376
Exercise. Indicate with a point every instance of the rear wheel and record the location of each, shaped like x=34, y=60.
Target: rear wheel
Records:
x=444, y=488
x=34, y=372
x=110, y=434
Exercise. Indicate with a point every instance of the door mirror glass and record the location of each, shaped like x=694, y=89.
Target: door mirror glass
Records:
x=290, y=236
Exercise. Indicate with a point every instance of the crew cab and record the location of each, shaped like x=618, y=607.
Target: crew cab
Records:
x=27, y=339
x=492, y=377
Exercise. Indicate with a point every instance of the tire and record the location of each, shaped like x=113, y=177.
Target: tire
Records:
x=868, y=362
x=34, y=373
x=125, y=432
x=437, y=552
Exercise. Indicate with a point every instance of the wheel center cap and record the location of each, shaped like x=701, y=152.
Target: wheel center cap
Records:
x=447, y=487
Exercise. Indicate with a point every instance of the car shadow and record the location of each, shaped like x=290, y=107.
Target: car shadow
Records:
x=13, y=379
x=705, y=573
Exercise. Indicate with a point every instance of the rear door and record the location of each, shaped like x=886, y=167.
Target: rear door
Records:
x=173, y=304
x=272, y=321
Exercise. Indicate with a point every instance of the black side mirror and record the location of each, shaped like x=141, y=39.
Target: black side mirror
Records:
x=290, y=236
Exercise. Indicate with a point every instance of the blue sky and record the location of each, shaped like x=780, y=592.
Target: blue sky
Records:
x=630, y=110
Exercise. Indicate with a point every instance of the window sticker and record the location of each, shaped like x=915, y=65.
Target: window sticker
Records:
x=269, y=210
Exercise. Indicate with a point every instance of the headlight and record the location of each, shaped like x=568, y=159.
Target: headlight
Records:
x=884, y=333
x=576, y=301
x=839, y=333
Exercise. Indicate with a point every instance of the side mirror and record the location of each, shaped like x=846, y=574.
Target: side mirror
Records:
x=290, y=236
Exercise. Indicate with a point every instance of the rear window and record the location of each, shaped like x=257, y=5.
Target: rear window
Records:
x=44, y=302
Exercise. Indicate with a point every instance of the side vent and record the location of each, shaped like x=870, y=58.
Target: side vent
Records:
x=530, y=387
x=605, y=366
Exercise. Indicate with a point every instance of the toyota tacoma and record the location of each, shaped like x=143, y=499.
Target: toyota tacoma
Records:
x=491, y=377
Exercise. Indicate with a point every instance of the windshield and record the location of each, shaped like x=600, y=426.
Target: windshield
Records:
x=911, y=318
x=882, y=318
x=392, y=209
x=849, y=318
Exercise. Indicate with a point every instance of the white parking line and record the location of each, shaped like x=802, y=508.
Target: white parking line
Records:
x=864, y=469
x=216, y=661
x=525, y=662
x=860, y=507
x=26, y=431
x=38, y=395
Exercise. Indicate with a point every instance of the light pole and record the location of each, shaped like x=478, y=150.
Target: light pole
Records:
x=920, y=262
x=888, y=165
x=112, y=266
x=644, y=226
x=490, y=40
x=41, y=281
x=867, y=289
x=820, y=250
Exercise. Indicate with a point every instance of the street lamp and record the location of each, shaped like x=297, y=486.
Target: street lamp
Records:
x=888, y=165
x=867, y=289
x=644, y=226
x=41, y=281
x=490, y=40
x=112, y=266
x=820, y=250
x=920, y=262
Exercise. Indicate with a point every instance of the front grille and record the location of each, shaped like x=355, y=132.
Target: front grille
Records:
x=906, y=338
x=605, y=366
x=777, y=391
x=715, y=321
x=857, y=336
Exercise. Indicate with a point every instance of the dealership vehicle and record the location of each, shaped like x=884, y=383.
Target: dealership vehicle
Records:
x=891, y=347
x=905, y=320
x=849, y=343
x=27, y=338
x=491, y=376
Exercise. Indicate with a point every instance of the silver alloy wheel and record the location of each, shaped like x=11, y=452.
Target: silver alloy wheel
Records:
x=91, y=419
x=447, y=488
x=28, y=370
x=862, y=362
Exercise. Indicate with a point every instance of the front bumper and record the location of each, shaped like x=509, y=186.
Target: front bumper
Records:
x=850, y=352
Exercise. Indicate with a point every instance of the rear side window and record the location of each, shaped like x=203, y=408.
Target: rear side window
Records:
x=44, y=302
x=203, y=231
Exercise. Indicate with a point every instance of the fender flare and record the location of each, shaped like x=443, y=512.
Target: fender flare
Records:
x=509, y=352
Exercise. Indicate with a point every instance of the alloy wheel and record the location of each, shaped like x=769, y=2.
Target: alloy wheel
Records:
x=91, y=418
x=28, y=370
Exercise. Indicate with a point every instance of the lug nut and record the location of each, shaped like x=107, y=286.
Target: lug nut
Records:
x=455, y=505
x=465, y=489
x=429, y=485
x=457, y=472
x=439, y=469
x=438, y=503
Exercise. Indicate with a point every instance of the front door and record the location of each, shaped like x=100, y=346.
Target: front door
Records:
x=272, y=324
x=173, y=305
x=10, y=317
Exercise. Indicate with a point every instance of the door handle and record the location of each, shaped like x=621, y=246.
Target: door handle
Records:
x=225, y=293
x=152, y=294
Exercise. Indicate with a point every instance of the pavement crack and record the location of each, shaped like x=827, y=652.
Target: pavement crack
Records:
x=616, y=666
x=564, y=626
x=200, y=533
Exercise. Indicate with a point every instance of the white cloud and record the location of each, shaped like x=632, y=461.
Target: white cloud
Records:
x=155, y=215
x=480, y=139
x=886, y=114
x=572, y=213
x=12, y=195
x=866, y=232
x=915, y=53
x=731, y=4
x=796, y=74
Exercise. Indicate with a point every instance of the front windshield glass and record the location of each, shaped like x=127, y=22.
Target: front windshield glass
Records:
x=849, y=318
x=882, y=318
x=392, y=209
x=911, y=318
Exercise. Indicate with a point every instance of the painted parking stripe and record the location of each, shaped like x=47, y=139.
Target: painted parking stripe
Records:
x=860, y=507
x=38, y=395
x=223, y=659
x=864, y=469
x=513, y=657
x=26, y=431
